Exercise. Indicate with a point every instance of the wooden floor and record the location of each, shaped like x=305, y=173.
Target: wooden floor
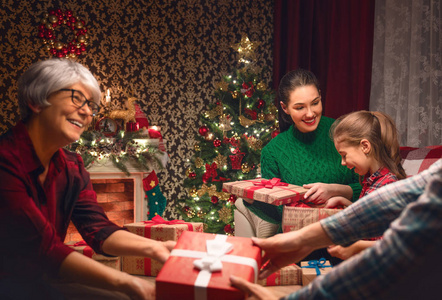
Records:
x=279, y=291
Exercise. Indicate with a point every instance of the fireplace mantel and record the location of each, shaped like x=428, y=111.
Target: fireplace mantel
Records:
x=107, y=170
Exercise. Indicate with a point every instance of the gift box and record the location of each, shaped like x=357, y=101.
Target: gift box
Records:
x=269, y=191
x=294, y=218
x=200, y=265
x=160, y=230
x=314, y=268
x=110, y=261
x=288, y=275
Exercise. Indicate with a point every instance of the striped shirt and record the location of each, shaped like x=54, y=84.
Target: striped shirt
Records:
x=410, y=213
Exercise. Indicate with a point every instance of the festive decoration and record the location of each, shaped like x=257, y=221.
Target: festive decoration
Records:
x=57, y=18
x=156, y=202
x=228, y=145
x=127, y=115
x=124, y=147
x=203, y=130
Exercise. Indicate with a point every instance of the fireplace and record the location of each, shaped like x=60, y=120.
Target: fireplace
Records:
x=116, y=196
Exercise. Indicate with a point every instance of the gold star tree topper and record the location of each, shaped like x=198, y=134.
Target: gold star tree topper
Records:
x=246, y=50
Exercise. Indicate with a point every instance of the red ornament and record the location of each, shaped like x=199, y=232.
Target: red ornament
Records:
x=236, y=161
x=214, y=199
x=216, y=142
x=192, y=175
x=275, y=133
x=260, y=104
x=232, y=198
x=132, y=126
x=228, y=229
x=203, y=130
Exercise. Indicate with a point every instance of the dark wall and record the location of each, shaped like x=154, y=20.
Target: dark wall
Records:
x=171, y=53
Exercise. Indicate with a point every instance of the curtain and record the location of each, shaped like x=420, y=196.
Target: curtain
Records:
x=333, y=39
x=407, y=68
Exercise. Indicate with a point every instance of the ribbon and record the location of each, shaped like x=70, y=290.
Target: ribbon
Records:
x=317, y=264
x=87, y=251
x=269, y=184
x=157, y=220
x=211, y=261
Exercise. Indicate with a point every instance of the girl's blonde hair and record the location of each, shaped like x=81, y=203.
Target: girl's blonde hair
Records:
x=379, y=129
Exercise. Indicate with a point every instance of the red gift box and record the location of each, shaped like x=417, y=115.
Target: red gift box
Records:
x=269, y=191
x=160, y=230
x=181, y=279
x=295, y=218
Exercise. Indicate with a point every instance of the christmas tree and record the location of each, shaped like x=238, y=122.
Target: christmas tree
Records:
x=234, y=130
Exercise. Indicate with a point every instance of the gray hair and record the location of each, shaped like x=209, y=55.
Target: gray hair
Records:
x=48, y=76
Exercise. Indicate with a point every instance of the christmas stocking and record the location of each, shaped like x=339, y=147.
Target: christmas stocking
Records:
x=156, y=202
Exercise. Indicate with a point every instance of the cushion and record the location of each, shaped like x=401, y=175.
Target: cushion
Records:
x=415, y=160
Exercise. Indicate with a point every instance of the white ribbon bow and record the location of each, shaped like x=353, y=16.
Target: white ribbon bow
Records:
x=212, y=261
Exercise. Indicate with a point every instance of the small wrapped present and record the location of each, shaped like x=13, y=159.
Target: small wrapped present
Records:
x=288, y=275
x=83, y=248
x=294, y=218
x=269, y=191
x=313, y=268
x=200, y=266
x=156, y=229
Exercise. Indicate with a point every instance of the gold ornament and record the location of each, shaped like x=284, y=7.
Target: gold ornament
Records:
x=220, y=161
x=246, y=49
x=261, y=117
x=197, y=147
x=206, y=189
x=190, y=213
x=209, y=137
x=245, y=122
x=192, y=192
x=235, y=94
x=200, y=214
x=224, y=123
x=216, y=111
x=188, y=171
x=272, y=109
x=261, y=86
x=223, y=85
x=245, y=168
x=199, y=162
x=254, y=143
x=270, y=117
x=225, y=214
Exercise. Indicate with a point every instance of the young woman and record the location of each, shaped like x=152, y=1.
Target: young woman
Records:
x=368, y=143
x=303, y=155
x=43, y=187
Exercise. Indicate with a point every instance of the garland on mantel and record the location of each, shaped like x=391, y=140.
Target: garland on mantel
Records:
x=123, y=148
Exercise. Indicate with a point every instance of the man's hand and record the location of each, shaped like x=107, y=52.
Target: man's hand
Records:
x=254, y=291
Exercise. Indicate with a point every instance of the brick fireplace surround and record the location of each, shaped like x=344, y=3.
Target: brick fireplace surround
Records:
x=116, y=196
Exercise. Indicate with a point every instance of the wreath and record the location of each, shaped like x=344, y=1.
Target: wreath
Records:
x=56, y=18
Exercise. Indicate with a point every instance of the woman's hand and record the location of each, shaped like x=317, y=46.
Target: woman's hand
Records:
x=137, y=288
x=337, y=202
x=319, y=192
x=254, y=291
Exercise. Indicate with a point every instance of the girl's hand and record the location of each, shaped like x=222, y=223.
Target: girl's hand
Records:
x=337, y=202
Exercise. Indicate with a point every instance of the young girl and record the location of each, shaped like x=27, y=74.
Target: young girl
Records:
x=368, y=143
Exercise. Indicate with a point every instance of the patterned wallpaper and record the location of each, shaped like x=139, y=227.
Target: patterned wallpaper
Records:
x=170, y=52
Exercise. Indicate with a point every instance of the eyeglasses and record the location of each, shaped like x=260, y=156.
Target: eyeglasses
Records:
x=80, y=100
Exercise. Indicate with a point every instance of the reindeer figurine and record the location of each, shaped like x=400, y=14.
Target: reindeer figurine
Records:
x=125, y=115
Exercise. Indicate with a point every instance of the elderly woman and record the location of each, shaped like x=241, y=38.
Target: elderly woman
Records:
x=43, y=187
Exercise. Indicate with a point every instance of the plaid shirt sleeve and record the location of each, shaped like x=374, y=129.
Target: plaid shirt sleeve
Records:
x=413, y=207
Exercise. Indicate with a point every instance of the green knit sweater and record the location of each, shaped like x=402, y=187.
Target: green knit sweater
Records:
x=301, y=158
